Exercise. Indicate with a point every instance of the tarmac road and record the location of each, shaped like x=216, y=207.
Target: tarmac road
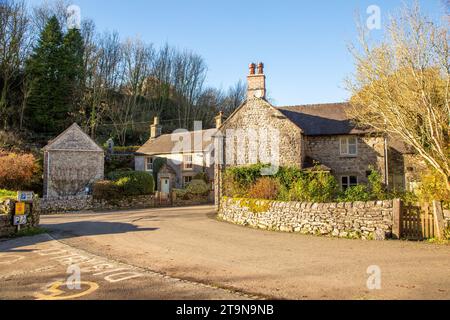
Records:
x=190, y=244
x=38, y=268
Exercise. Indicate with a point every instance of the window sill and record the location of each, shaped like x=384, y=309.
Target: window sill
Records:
x=348, y=156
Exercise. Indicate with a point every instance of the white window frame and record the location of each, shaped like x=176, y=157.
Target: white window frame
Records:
x=186, y=183
x=147, y=162
x=344, y=144
x=188, y=165
x=349, y=184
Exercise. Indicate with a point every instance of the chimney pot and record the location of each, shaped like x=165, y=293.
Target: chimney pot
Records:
x=252, y=68
x=261, y=68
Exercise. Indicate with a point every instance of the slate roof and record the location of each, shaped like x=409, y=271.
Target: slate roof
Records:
x=322, y=119
x=73, y=139
x=165, y=145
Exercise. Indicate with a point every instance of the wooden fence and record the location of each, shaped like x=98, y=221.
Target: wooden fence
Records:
x=421, y=221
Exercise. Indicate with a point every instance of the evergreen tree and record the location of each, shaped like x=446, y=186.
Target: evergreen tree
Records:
x=46, y=108
x=73, y=69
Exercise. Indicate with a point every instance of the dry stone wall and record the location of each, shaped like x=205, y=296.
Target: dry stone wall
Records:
x=7, y=208
x=359, y=220
x=88, y=203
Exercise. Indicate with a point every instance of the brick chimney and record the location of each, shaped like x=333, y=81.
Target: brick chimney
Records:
x=219, y=120
x=256, y=82
x=155, y=129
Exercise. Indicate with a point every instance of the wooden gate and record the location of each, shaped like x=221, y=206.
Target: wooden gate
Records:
x=417, y=222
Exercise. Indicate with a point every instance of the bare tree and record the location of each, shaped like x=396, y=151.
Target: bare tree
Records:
x=43, y=12
x=13, y=51
x=135, y=68
x=401, y=86
x=234, y=98
x=102, y=68
x=189, y=73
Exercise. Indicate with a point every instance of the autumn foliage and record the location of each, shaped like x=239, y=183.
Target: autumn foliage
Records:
x=16, y=170
x=265, y=188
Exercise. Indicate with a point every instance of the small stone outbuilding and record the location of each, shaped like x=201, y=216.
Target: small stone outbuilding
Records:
x=72, y=163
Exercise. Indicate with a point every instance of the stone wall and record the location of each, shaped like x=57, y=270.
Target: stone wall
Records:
x=364, y=220
x=7, y=208
x=88, y=203
x=326, y=150
x=68, y=173
x=257, y=114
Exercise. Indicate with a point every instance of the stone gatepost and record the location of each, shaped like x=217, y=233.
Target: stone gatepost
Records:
x=219, y=147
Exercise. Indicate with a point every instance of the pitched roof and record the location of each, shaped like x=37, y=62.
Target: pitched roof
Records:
x=170, y=143
x=73, y=139
x=322, y=119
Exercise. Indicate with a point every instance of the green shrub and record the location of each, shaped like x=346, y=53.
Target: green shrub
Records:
x=287, y=176
x=202, y=176
x=128, y=149
x=356, y=193
x=314, y=187
x=246, y=176
x=284, y=194
x=181, y=194
x=198, y=188
x=133, y=183
x=231, y=187
x=265, y=188
x=7, y=194
x=107, y=190
x=377, y=188
x=115, y=163
x=433, y=187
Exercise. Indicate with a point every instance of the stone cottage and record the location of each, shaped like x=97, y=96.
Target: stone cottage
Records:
x=186, y=154
x=72, y=163
x=310, y=136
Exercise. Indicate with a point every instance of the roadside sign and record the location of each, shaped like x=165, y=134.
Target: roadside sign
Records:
x=20, y=220
x=25, y=196
x=20, y=208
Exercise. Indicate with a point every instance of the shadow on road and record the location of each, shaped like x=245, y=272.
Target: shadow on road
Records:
x=94, y=228
x=72, y=230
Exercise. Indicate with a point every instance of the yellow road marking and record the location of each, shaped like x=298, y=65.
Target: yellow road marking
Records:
x=56, y=293
x=10, y=259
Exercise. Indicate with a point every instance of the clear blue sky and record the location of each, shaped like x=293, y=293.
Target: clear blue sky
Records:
x=302, y=42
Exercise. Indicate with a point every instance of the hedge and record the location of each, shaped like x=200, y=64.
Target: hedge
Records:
x=125, y=183
x=107, y=190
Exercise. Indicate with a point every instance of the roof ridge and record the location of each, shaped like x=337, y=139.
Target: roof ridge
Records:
x=62, y=134
x=185, y=132
x=313, y=105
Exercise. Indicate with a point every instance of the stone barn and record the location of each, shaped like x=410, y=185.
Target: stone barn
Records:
x=72, y=163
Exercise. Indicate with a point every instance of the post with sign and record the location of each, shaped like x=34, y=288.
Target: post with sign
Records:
x=20, y=217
